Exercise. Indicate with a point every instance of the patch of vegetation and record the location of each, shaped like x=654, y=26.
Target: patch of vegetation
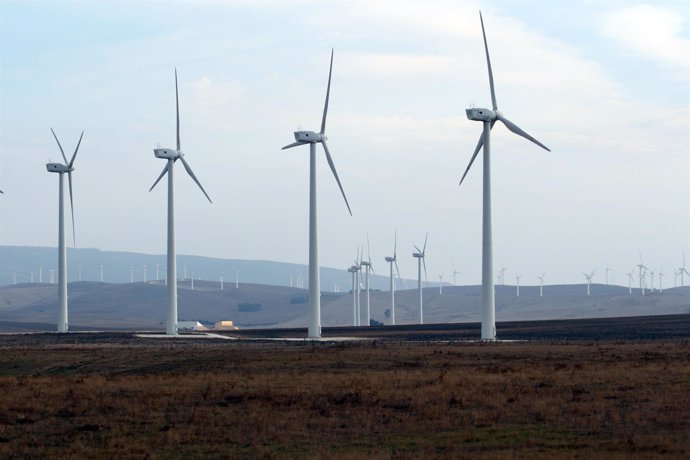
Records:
x=299, y=299
x=248, y=307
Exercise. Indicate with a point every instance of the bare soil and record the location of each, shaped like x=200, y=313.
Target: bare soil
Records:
x=113, y=395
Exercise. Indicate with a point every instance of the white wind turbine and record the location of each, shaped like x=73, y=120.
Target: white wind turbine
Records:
x=589, y=279
x=391, y=261
x=630, y=277
x=440, y=284
x=682, y=271
x=420, y=256
x=643, y=273
x=353, y=269
x=61, y=169
x=455, y=272
x=369, y=267
x=661, y=275
x=311, y=138
x=651, y=282
x=541, y=284
x=488, y=118
x=517, y=284
x=171, y=156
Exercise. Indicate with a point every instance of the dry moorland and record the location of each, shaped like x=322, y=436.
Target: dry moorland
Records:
x=345, y=400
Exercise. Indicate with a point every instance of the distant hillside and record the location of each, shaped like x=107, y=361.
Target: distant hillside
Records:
x=22, y=263
x=95, y=305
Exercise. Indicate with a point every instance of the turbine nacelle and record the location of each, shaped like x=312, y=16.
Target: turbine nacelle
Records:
x=390, y=259
x=418, y=255
x=477, y=114
x=309, y=137
x=167, y=154
x=58, y=168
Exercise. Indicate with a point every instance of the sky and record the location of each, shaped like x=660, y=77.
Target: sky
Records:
x=604, y=84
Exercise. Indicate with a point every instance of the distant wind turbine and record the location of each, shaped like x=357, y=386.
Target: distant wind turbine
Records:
x=440, y=284
x=488, y=119
x=517, y=284
x=61, y=169
x=353, y=269
x=311, y=138
x=391, y=261
x=682, y=271
x=630, y=277
x=589, y=279
x=642, y=270
x=541, y=284
x=661, y=275
x=171, y=156
x=420, y=256
x=368, y=267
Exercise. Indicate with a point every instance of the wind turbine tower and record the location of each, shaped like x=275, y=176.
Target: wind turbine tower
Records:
x=488, y=118
x=171, y=156
x=391, y=261
x=682, y=271
x=589, y=279
x=643, y=273
x=661, y=275
x=419, y=255
x=630, y=277
x=61, y=169
x=311, y=138
x=368, y=267
x=353, y=269
x=541, y=284
x=517, y=284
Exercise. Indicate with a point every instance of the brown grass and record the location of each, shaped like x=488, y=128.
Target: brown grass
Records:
x=364, y=400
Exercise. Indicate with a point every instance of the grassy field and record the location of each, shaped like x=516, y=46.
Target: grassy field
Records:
x=381, y=399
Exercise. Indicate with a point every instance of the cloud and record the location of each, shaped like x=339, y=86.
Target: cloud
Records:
x=654, y=33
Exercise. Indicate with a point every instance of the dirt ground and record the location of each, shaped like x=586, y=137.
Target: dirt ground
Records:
x=113, y=395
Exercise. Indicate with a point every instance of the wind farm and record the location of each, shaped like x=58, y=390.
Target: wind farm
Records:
x=259, y=334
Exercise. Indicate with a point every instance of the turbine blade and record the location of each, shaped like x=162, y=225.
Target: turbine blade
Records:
x=426, y=278
x=425, y=238
x=396, y=268
x=294, y=144
x=418, y=250
x=488, y=65
x=71, y=204
x=328, y=94
x=165, y=170
x=368, y=248
x=335, y=173
x=71, y=162
x=58, y=143
x=177, y=110
x=191, y=173
x=395, y=245
x=517, y=130
x=480, y=143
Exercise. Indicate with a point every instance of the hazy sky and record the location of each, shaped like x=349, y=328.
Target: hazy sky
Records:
x=604, y=84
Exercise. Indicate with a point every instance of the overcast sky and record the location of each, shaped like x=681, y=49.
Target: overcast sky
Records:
x=604, y=84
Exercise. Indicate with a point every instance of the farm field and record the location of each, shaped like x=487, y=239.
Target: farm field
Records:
x=115, y=395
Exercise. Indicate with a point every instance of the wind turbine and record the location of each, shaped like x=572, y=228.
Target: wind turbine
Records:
x=455, y=272
x=353, y=269
x=517, y=284
x=643, y=273
x=661, y=275
x=311, y=138
x=541, y=284
x=369, y=267
x=488, y=119
x=419, y=255
x=391, y=261
x=589, y=278
x=651, y=282
x=61, y=169
x=440, y=284
x=502, y=275
x=681, y=271
x=171, y=156
x=607, y=269
x=630, y=277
